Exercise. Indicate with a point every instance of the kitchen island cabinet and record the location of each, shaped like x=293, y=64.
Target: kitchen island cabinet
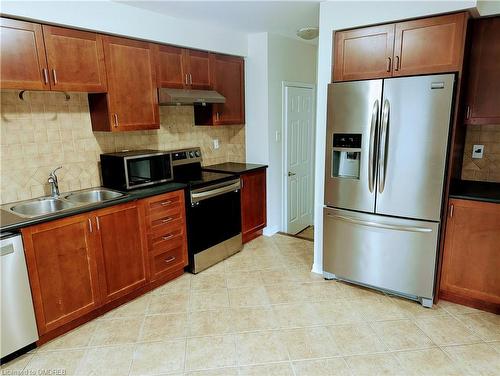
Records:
x=471, y=258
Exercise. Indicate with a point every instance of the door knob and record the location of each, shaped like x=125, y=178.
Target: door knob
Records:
x=291, y=173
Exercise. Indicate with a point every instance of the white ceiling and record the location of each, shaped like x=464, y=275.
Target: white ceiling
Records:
x=280, y=17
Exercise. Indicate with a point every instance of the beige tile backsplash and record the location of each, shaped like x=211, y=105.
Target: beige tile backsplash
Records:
x=45, y=131
x=487, y=168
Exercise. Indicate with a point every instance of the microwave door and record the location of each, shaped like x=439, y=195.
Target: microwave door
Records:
x=416, y=114
x=350, y=168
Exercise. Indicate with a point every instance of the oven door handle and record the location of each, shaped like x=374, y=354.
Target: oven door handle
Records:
x=200, y=196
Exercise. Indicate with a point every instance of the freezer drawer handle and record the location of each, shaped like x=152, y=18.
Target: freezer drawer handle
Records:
x=380, y=225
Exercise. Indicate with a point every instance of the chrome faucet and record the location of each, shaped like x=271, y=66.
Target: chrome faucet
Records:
x=54, y=185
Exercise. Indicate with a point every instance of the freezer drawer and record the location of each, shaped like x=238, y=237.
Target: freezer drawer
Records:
x=384, y=252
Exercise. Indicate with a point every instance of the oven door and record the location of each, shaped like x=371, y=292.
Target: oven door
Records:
x=145, y=170
x=214, y=224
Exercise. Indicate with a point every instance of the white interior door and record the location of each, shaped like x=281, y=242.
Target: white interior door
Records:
x=299, y=123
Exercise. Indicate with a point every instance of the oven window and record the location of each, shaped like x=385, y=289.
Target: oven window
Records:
x=147, y=170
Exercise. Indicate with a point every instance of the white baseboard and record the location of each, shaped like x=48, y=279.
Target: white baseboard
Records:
x=317, y=269
x=270, y=231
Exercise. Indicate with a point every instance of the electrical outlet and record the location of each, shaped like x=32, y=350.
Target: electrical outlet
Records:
x=215, y=143
x=477, y=151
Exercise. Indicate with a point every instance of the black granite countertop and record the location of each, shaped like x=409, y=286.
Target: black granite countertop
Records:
x=234, y=168
x=475, y=190
x=11, y=222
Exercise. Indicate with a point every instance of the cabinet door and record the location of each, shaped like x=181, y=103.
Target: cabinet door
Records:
x=471, y=258
x=253, y=204
x=22, y=56
x=484, y=77
x=198, y=69
x=75, y=59
x=363, y=53
x=228, y=80
x=62, y=270
x=171, y=71
x=132, y=94
x=429, y=45
x=121, y=255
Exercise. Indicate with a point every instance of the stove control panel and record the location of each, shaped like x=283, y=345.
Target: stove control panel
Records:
x=184, y=156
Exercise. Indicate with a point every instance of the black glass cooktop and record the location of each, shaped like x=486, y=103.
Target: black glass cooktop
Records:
x=200, y=179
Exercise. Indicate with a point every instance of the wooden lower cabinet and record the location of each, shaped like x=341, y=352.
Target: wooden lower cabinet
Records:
x=471, y=258
x=62, y=268
x=253, y=204
x=85, y=265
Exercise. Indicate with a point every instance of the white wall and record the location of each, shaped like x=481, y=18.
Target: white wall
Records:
x=120, y=19
x=271, y=60
x=336, y=15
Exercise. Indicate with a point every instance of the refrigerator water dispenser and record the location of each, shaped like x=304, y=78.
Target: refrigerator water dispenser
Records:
x=346, y=155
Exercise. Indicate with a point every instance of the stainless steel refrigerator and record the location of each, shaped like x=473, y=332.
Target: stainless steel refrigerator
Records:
x=386, y=151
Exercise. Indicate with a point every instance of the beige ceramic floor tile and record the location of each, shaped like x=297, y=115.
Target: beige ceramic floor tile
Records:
x=277, y=276
x=478, y=359
x=456, y=309
x=260, y=347
x=163, y=327
x=171, y=302
x=77, y=338
x=309, y=343
x=228, y=371
x=207, y=323
x=276, y=369
x=495, y=345
x=296, y=315
x=111, y=361
x=484, y=324
x=201, y=300
x=415, y=310
x=154, y=358
x=210, y=352
x=248, y=297
x=319, y=292
x=428, y=362
x=180, y=283
x=64, y=361
x=337, y=312
x=244, y=279
x=322, y=367
x=446, y=331
x=351, y=291
x=206, y=280
x=136, y=307
x=117, y=331
x=356, y=339
x=15, y=366
x=376, y=364
x=401, y=335
x=285, y=293
x=377, y=307
x=253, y=318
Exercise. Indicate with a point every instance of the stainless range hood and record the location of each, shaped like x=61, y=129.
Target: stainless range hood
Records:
x=169, y=97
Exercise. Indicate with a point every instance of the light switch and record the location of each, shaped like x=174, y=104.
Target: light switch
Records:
x=278, y=136
x=215, y=143
x=477, y=151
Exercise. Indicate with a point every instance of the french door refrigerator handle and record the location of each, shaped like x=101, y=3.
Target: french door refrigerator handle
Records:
x=371, y=152
x=380, y=225
x=382, y=159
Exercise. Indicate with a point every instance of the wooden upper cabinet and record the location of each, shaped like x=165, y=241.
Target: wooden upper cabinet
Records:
x=198, y=69
x=483, y=98
x=430, y=45
x=22, y=56
x=132, y=99
x=363, y=53
x=253, y=204
x=471, y=257
x=75, y=60
x=62, y=270
x=121, y=254
x=228, y=79
x=170, y=71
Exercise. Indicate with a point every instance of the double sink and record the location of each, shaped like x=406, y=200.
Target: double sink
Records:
x=50, y=205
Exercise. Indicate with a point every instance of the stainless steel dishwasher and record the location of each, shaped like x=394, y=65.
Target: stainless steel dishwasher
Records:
x=18, y=325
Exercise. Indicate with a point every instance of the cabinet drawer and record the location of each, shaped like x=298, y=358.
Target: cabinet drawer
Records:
x=166, y=239
x=164, y=202
x=167, y=261
x=165, y=221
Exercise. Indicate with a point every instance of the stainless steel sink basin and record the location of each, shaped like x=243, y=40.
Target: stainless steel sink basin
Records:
x=40, y=206
x=93, y=195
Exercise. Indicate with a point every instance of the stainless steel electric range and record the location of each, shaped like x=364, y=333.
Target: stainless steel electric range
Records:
x=213, y=210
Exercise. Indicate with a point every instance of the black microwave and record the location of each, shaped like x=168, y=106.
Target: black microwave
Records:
x=128, y=170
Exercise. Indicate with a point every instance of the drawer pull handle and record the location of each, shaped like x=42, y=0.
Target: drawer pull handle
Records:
x=170, y=236
x=170, y=259
x=165, y=203
x=169, y=219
